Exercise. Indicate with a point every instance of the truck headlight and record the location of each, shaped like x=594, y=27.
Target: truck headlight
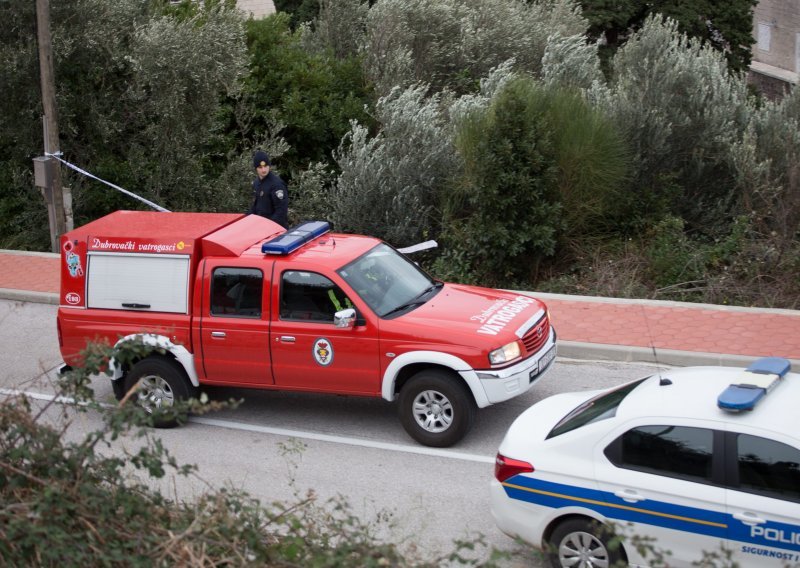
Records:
x=505, y=353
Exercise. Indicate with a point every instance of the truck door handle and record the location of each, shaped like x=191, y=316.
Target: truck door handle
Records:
x=287, y=339
x=629, y=495
x=218, y=334
x=135, y=305
x=750, y=519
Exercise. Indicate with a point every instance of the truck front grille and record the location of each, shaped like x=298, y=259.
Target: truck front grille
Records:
x=537, y=335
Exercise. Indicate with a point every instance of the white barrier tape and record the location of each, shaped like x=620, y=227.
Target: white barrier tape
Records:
x=118, y=188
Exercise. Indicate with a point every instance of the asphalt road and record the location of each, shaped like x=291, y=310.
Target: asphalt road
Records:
x=279, y=446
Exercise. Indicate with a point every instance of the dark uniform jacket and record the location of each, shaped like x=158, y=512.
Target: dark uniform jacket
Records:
x=271, y=199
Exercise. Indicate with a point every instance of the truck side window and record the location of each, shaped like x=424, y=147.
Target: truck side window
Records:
x=310, y=296
x=236, y=292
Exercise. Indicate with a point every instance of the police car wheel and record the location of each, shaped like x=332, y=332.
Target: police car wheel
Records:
x=161, y=383
x=436, y=409
x=584, y=544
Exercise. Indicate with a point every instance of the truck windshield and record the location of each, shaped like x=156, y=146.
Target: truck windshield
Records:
x=388, y=282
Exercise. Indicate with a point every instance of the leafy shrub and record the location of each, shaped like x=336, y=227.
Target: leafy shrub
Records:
x=87, y=498
x=390, y=183
x=681, y=113
x=502, y=215
x=339, y=27
x=453, y=43
x=314, y=94
x=593, y=165
x=674, y=259
x=138, y=92
x=767, y=162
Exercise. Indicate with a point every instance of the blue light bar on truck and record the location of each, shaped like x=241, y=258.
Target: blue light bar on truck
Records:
x=758, y=380
x=295, y=237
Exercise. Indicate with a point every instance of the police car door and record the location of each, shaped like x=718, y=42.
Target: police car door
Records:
x=764, y=500
x=662, y=481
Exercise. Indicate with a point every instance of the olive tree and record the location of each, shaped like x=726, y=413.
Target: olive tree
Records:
x=453, y=43
x=389, y=183
x=139, y=93
x=681, y=112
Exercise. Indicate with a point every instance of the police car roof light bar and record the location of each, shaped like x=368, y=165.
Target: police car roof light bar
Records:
x=759, y=379
x=295, y=237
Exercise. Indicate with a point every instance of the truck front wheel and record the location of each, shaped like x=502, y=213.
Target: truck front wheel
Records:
x=161, y=383
x=436, y=409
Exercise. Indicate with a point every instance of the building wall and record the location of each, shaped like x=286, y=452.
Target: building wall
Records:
x=257, y=8
x=776, y=53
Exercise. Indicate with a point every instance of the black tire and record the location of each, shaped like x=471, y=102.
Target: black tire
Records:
x=583, y=544
x=118, y=387
x=436, y=409
x=163, y=382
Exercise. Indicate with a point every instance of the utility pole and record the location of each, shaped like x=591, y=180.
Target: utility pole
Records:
x=51, y=143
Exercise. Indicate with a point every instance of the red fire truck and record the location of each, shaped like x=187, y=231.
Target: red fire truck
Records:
x=239, y=301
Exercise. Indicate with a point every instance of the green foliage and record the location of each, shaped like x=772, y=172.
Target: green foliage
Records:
x=740, y=267
x=503, y=214
x=87, y=497
x=138, y=93
x=592, y=164
x=314, y=94
x=299, y=11
x=389, y=183
x=453, y=43
x=767, y=164
x=674, y=259
x=725, y=25
x=681, y=113
x=311, y=194
x=339, y=27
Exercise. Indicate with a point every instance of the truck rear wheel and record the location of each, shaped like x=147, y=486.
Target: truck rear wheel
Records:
x=162, y=383
x=436, y=409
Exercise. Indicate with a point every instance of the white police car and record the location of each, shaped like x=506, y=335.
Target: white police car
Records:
x=703, y=460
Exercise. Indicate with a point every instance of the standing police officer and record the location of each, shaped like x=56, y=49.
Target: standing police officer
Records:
x=270, y=197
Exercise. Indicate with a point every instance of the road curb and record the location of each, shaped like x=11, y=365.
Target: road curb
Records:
x=28, y=296
x=672, y=357
x=566, y=349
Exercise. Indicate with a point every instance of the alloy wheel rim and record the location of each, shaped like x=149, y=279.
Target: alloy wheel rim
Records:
x=582, y=550
x=433, y=411
x=155, y=393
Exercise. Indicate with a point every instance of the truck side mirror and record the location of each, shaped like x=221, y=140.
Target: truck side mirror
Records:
x=345, y=319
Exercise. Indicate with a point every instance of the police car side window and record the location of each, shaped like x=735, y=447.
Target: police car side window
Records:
x=768, y=467
x=236, y=292
x=672, y=451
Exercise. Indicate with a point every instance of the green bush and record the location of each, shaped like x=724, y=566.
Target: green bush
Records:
x=390, y=183
x=314, y=94
x=681, y=113
x=453, y=43
x=503, y=215
x=84, y=498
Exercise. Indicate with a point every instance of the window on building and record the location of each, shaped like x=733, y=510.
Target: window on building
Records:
x=764, y=36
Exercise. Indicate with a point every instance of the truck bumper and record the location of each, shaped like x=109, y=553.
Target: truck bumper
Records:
x=503, y=384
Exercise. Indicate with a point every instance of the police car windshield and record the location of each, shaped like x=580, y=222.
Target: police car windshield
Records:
x=595, y=409
x=388, y=282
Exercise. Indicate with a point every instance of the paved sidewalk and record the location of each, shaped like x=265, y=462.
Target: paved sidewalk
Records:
x=588, y=327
